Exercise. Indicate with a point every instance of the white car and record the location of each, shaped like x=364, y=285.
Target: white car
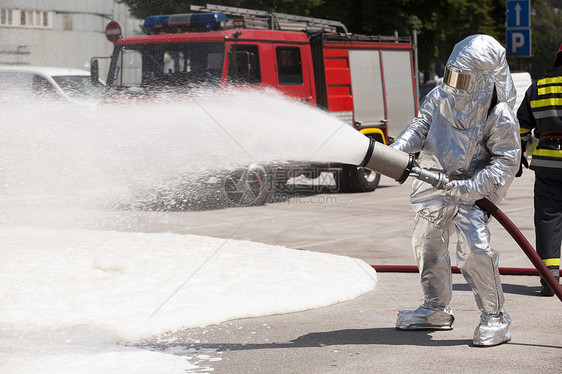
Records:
x=47, y=82
x=521, y=81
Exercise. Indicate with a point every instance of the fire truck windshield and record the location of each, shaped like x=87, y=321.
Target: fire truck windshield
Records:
x=167, y=66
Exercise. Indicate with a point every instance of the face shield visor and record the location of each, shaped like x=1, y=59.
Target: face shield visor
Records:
x=461, y=104
x=456, y=80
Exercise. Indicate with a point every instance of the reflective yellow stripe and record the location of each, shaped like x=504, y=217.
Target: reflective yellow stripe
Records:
x=524, y=131
x=546, y=102
x=548, y=153
x=551, y=80
x=550, y=90
x=373, y=130
x=551, y=262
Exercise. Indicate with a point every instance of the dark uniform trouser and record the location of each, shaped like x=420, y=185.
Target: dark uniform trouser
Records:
x=548, y=218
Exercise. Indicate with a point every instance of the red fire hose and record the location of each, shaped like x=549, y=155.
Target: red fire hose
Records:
x=491, y=208
x=454, y=269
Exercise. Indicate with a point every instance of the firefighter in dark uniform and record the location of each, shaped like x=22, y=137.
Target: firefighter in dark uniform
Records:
x=541, y=113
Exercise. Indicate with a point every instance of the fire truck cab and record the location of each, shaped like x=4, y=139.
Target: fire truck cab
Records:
x=366, y=81
x=222, y=58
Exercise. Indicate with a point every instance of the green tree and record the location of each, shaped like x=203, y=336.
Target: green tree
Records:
x=546, y=26
x=457, y=19
x=145, y=8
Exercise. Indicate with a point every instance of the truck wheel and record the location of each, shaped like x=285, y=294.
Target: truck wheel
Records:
x=357, y=179
x=247, y=187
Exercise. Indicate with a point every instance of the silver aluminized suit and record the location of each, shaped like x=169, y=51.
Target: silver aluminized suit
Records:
x=460, y=132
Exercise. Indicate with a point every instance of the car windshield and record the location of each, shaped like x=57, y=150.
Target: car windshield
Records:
x=77, y=86
x=161, y=66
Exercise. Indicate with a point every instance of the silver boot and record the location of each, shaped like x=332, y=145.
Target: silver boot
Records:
x=492, y=330
x=426, y=318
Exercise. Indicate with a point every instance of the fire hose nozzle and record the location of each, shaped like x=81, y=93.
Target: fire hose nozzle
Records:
x=435, y=178
x=399, y=165
x=388, y=161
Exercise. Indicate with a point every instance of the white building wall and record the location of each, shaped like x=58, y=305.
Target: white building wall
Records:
x=65, y=33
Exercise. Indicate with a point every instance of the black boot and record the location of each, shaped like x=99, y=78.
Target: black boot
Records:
x=545, y=288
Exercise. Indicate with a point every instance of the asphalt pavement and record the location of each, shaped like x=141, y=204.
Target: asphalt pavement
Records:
x=358, y=336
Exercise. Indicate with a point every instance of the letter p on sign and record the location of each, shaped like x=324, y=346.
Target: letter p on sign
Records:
x=518, y=42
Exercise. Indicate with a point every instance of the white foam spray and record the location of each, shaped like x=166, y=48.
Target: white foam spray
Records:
x=55, y=155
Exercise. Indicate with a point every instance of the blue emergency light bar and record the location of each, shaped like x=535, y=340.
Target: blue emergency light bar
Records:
x=184, y=22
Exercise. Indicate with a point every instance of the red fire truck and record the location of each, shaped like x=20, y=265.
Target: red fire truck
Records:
x=366, y=81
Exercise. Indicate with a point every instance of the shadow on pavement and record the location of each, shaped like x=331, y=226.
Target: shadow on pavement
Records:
x=376, y=336
x=508, y=288
x=386, y=336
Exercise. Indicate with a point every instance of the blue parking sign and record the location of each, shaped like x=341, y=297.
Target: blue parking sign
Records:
x=518, y=42
x=518, y=13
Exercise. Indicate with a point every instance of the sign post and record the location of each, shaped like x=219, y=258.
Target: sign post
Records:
x=518, y=33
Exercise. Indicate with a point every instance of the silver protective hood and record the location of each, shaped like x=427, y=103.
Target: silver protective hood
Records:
x=476, y=67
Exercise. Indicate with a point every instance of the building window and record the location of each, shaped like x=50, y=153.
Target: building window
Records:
x=6, y=17
x=67, y=22
x=27, y=18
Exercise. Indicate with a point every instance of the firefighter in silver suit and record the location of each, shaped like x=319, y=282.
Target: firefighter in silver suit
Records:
x=466, y=129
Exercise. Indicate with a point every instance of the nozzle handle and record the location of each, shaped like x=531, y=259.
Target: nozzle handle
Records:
x=435, y=178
